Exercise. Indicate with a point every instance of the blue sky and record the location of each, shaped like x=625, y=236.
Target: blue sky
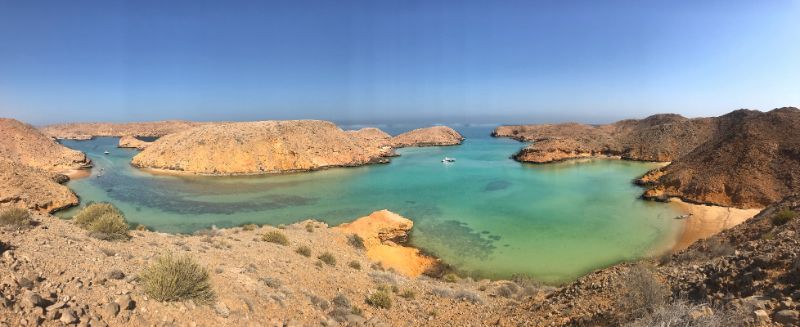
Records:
x=379, y=61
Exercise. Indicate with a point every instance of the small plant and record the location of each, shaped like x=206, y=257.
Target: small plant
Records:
x=356, y=241
x=141, y=228
x=17, y=217
x=304, y=251
x=173, y=278
x=783, y=217
x=408, y=294
x=249, y=227
x=310, y=227
x=109, y=227
x=356, y=311
x=275, y=237
x=643, y=292
x=355, y=265
x=327, y=258
x=380, y=299
x=92, y=212
x=450, y=278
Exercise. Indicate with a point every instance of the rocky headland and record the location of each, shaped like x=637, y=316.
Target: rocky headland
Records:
x=746, y=159
x=33, y=167
x=85, y=131
x=428, y=136
x=132, y=142
x=259, y=148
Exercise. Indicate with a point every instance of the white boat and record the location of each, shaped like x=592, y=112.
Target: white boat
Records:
x=106, y=152
x=448, y=159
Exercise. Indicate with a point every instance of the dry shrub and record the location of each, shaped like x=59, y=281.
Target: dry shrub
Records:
x=15, y=217
x=173, y=278
x=327, y=258
x=356, y=241
x=249, y=227
x=303, y=250
x=380, y=299
x=355, y=265
x=683, y=313
x=783, y=217
x=109, y=227
x=275, y=237
x=643, y=292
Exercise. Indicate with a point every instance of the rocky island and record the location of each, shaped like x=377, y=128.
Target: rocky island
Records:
x=132, y=142
x=429, y=136
x=85, y=131
x=259, y=148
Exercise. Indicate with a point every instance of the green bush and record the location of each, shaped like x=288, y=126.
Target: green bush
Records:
x=355, y=265
x=328, y=258
x=173, y=278
x=17, y=217
x=275, y=237
x=304, y=251
x=380, y=299
x=109, y=227
x=783, y=217
x=91, y=212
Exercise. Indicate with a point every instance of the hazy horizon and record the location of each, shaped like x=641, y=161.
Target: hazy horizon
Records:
x=372, y=62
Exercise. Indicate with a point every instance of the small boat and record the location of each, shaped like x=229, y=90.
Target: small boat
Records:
x=684, y=216
x=106, y=152
x=448, y=159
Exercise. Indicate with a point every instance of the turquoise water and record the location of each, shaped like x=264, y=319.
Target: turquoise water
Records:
x=485, y=214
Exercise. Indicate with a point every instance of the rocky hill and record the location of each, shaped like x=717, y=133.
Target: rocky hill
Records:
x=22, y=143
x=752, y=160
x=83, y=131
x=258, y=148
x=655, y=138
x=429, y=136
x=132, y=142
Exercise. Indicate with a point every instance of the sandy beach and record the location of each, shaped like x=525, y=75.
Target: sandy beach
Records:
x=705, y=221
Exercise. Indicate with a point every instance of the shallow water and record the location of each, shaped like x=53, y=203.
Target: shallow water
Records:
x=485, y=214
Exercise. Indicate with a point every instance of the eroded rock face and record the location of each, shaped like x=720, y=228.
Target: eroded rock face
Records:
x=376, y=136
x=259, y=148
x=23, y=144
x=133, y=142
x=752, y=161
x=84, y=131
x=383, y=233
x=429, y=136
x=33, y=188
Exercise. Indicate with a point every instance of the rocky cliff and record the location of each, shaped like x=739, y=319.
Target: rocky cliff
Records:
x=82, y=131
x=24, y=144
x=133, y=142
x=33, y=188
x=429, y=136
x=752, y=160
x=31, y=164
x=259, y=148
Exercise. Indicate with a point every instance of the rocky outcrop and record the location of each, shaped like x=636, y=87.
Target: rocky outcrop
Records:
x=133, y=142
x=656, y=138
x=24, y=144
x=429, y=136
x=84, y=131
x=259, y=148
x=752, y=160
x=33, y=188
x=384, y=233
